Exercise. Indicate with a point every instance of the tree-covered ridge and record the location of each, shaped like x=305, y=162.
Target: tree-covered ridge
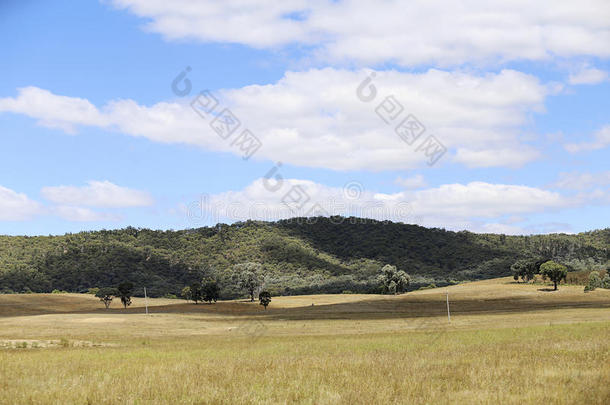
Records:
x=297, y=256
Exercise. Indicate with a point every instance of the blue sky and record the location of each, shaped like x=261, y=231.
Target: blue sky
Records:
x=93, y=136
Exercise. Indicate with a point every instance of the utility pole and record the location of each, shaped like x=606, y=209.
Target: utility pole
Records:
x=448, y=313
x=145, y=300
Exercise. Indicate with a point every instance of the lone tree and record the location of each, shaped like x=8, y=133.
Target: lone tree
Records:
x=265, y=298
x=211, y=291
x=106, y=295
x=393, y=280
x=248, y=276
x=553, y=271
x=124, y=292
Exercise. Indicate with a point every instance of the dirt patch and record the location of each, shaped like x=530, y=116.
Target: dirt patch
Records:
x=44, y=344
x=101, y=320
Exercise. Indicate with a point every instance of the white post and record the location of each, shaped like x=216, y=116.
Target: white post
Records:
x=448, y=313
x=146, y=300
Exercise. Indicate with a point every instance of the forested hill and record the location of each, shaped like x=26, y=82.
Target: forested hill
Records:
x=320, y=255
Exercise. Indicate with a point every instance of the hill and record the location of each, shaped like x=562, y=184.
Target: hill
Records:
x=299, y=256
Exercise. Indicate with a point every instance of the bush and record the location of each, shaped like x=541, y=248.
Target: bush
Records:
x=594, y=281
x=93, y=290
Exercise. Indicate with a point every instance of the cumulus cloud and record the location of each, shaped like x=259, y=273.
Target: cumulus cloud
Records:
x=477, y=206
x=588, y=76
x=405, y=32
x=96, y=194
x=71, y=202
x=52, y=110
x=601, y=139
x=314, y=118
x=16, y=206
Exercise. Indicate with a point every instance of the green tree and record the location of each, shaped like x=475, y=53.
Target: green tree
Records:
x=554, y=272
x=606, y=280
x=124, y=292
x=196, y=292
x=211, y=291
x=393, y=280
x=525, y=269
x=264, y=298
x=186, y=293
x=248, y=276
x=106, y=295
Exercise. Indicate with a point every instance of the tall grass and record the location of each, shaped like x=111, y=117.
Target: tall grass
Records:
x=507, y=344
x=545, y=364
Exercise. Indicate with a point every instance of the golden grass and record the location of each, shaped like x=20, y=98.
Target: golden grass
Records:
x=507, y=343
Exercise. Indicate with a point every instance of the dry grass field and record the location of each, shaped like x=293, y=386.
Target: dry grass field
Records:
x=507, y=343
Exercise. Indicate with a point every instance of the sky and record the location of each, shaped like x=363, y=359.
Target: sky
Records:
x=474, y=115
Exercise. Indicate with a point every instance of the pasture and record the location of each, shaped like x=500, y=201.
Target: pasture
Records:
x=506, y=343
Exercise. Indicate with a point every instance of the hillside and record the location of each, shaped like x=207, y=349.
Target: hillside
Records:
x=323, y=255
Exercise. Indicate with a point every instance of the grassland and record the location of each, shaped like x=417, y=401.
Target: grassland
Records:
x=506, y=343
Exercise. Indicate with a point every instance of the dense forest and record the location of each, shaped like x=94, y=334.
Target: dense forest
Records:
x=298, y=256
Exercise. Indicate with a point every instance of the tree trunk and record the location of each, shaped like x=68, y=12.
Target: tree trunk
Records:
x=555, y=282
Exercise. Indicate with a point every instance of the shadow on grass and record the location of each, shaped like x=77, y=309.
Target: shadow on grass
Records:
x=404, y=306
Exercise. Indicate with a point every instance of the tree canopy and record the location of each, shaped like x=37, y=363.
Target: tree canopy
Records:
x=553, y=271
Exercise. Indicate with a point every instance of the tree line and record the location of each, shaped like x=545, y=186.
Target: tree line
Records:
x=297, y=256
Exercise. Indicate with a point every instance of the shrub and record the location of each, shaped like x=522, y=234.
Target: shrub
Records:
x=594, y=281
x=265, y=298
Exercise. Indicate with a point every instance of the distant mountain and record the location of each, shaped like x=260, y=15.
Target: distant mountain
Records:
x=319, y=255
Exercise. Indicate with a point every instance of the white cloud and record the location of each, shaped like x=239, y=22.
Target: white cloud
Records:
x=81, y=214
x=52, y=110
x=582, y=181
x=476, y=206
x=509, y=156
x=406, y=32
x=16, y=206
x=416, y=181
x=588, y=76
x=96, y=194
x=315, y=119
x=485, y=200
x=601, y=140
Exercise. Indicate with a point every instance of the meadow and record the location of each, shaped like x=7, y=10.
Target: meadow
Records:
x=507, y=343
